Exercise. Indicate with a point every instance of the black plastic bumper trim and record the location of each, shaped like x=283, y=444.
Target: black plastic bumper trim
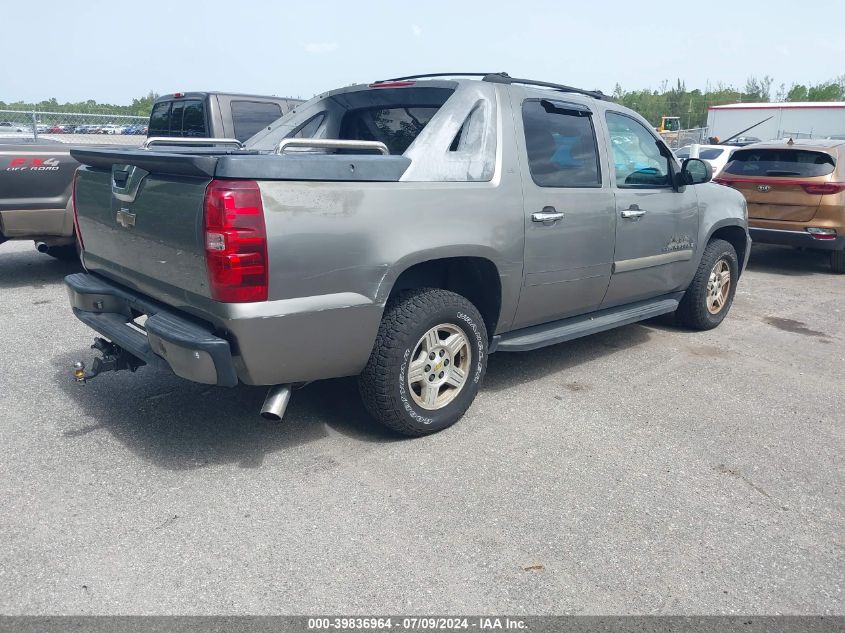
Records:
x=795, y=238
x=161, y=322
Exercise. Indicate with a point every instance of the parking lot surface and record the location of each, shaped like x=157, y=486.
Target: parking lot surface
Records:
x=644, y=470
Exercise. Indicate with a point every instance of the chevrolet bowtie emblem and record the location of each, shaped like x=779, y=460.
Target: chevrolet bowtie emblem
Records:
x=125, y=219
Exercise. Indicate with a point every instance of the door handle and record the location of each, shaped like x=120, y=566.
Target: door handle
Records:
x=633, y=212
x=547, y=215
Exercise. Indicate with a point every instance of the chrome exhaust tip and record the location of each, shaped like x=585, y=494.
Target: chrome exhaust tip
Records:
x=277, y=400
x=41, y=247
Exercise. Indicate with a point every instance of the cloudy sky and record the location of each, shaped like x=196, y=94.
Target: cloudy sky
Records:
x=112, y=52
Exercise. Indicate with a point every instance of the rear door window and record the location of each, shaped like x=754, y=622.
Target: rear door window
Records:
x=395, y=127
x=561, y=144
x=249, y=117
x=780, y=162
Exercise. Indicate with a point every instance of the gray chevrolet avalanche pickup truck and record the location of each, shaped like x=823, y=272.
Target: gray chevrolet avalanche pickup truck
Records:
x=400, y=231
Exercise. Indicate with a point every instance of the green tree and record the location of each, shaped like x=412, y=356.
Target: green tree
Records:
x=797, y=93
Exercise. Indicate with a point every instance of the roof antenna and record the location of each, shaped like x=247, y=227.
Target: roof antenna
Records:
x=790, y=141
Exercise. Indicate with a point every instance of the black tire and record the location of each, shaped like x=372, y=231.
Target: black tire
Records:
x=65, y=253
x=384, y=387
x=837, y=262
x=693, y=311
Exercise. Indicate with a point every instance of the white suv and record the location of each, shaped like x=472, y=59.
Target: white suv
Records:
x=717, y=155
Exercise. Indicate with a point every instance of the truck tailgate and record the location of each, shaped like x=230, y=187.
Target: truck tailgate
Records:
x=144, y=229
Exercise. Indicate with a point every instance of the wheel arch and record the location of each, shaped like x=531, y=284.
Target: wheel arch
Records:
x=736, y=235
x=474, y=276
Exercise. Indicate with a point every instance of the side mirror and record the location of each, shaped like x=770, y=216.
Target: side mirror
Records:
x=695, y=171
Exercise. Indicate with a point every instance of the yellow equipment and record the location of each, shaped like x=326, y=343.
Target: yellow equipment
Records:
x=669, y=124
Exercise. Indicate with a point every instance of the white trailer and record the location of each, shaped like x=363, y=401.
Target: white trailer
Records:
x=796, y=120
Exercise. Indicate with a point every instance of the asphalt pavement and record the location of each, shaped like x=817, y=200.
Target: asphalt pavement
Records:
x=647, y=470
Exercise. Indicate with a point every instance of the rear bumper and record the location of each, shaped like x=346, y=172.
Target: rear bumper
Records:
x=188, y=348
x=36, y=223
x=264, y=343
x=795, y=238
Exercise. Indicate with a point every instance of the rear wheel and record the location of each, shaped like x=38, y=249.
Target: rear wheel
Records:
x=710, y=295
x=837, y=262
x=427, y=363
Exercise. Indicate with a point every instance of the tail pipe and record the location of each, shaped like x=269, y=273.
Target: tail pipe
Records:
x=41, y=247
x=276, y=402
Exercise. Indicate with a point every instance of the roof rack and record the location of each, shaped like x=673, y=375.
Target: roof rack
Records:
x=504, y=78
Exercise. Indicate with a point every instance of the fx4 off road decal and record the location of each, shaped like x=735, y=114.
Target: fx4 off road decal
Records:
x=21, y=163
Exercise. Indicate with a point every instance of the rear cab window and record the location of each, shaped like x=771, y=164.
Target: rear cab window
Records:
x=250, y=117
x=561, y=144
x=780, y=162
x=393, y=116
x=193, y=120
x=160, y=119
x=177, y=118
x=395, y=127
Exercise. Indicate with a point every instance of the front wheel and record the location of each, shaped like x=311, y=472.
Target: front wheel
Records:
x=427, y=364
x=710, y=295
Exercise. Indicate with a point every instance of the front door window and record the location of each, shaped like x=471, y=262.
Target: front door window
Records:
x=637, y=156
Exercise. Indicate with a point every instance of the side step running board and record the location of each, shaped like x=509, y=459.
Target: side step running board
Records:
x=555, y=332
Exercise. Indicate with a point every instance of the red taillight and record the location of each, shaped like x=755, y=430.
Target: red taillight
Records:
x=75, y=212
x=722, y=181
x=820, y=233
x=824, y=188
x=235, y=241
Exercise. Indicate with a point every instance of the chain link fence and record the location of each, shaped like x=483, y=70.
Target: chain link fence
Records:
x=73, y=127
x=682, y=138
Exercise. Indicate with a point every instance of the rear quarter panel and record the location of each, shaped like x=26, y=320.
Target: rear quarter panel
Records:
x=327, y=238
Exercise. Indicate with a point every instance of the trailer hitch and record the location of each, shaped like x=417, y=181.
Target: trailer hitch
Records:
x=114, y=358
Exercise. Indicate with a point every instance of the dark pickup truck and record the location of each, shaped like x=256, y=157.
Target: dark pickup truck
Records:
x=35, y=177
